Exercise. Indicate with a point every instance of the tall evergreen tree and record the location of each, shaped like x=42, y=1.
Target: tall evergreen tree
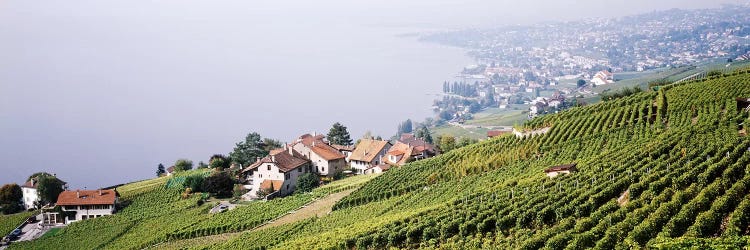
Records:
x=339, y=135
x=424, y=134
x=160, y=170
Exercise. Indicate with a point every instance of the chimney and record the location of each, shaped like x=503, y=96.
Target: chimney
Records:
x=273, y=158
x=78, y=194
x=257, y=158
x=100, y=192
x=313, y=144
x=315, y=134
x=290, y=151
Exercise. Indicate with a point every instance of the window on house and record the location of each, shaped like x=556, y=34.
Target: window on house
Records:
x=287, y=186
x=269, y=167
x=323, y=169
x=299, y=170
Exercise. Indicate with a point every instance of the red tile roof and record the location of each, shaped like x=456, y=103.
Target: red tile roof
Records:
x=87, y=197
x=327, y=152
x=343, y=148
x=410, y=140
x=282, y=158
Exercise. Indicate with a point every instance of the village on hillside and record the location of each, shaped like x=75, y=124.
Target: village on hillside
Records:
x=255, y=170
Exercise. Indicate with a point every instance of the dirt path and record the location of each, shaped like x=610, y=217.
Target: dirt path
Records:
x=318, y=208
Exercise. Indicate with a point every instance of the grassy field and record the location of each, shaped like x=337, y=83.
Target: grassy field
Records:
x=447, y=129
x=10, y=222
x=498, y=117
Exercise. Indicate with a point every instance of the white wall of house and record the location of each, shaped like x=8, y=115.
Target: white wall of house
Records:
x=325, y=167
x=88, y=211
x=266, y=171
x=29, y=197
x=269, y=171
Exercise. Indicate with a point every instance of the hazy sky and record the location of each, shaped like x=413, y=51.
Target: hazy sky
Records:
x=100, y=92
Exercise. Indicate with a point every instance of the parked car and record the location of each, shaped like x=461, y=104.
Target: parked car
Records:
x=14, y=234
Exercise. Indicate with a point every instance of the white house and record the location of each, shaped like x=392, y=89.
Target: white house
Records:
x=368, y=153
x=346, y=150
x=325, y=160
x=87, y=204
x=30, y=194
x=602, y=77
x=277, y=172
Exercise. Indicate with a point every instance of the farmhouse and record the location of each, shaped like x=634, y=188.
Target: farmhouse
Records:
x=87, y=204
x=277, y=172
x=326, y=160
x=562, y=169
x=369, y=153
x=30, y=195
x=408, y=149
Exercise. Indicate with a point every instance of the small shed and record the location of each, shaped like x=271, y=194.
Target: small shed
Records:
x=561, y=169
x=743, y=104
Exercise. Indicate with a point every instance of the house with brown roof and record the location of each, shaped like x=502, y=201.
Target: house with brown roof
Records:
x=30, y=195
x=325, y=160
x=561, y=169
x=346, y=150
x=277, y=172
x=87, y=204
x=422, y=149
x=368, y=153
x=408, y=149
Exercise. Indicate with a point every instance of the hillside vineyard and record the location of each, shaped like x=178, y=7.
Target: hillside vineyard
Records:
x=664, y=168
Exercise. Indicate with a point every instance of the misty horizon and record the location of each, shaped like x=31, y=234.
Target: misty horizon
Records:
x=101, y=93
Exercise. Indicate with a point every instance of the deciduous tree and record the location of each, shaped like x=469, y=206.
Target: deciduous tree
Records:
x=183, y=165
x=49, y=188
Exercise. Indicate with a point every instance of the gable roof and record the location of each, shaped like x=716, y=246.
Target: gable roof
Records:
x=342, y=147
x=404, y=150
x=285, y=159
x=87, y=197
x=31, y=183
x=327, y=152
x=419, y=144
x=308, y=139
x=34, y=182
x=368, y=149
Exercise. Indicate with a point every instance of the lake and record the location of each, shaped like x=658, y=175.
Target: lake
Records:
x=101, y=92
